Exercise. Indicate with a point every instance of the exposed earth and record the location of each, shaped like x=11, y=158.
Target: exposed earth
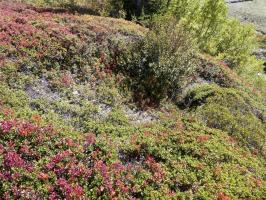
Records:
x=250, y=12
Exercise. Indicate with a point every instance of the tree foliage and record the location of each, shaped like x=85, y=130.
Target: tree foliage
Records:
x=216, y=34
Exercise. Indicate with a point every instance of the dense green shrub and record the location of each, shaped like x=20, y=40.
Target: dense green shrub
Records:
x=165, y=57
x=141, y=8
x=234, y=43
x=233, y=111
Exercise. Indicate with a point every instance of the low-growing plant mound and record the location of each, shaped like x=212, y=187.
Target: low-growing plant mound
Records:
x=231, y=110
x=173, y=159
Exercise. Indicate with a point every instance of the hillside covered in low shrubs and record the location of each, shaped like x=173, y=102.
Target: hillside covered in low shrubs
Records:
x=113, y=100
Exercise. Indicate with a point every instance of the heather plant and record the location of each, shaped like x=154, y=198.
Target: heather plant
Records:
x=40, y=161
x=96, y=7
x=37, y=49
x=207, y=20
x=59, y=170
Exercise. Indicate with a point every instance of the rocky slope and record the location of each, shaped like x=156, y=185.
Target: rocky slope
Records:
x=249, y=12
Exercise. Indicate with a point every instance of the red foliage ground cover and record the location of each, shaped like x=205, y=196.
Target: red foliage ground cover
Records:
x=36, y=41
x=37, y=161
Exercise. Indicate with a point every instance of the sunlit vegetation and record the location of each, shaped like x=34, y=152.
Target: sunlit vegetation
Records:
x=93, y=107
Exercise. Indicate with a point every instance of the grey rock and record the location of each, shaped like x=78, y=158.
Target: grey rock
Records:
x=249, y=11
x=260, y=54
x=139, y=116
x=41, y=89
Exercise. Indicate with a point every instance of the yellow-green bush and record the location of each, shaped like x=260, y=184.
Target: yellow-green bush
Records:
x=216, y=34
